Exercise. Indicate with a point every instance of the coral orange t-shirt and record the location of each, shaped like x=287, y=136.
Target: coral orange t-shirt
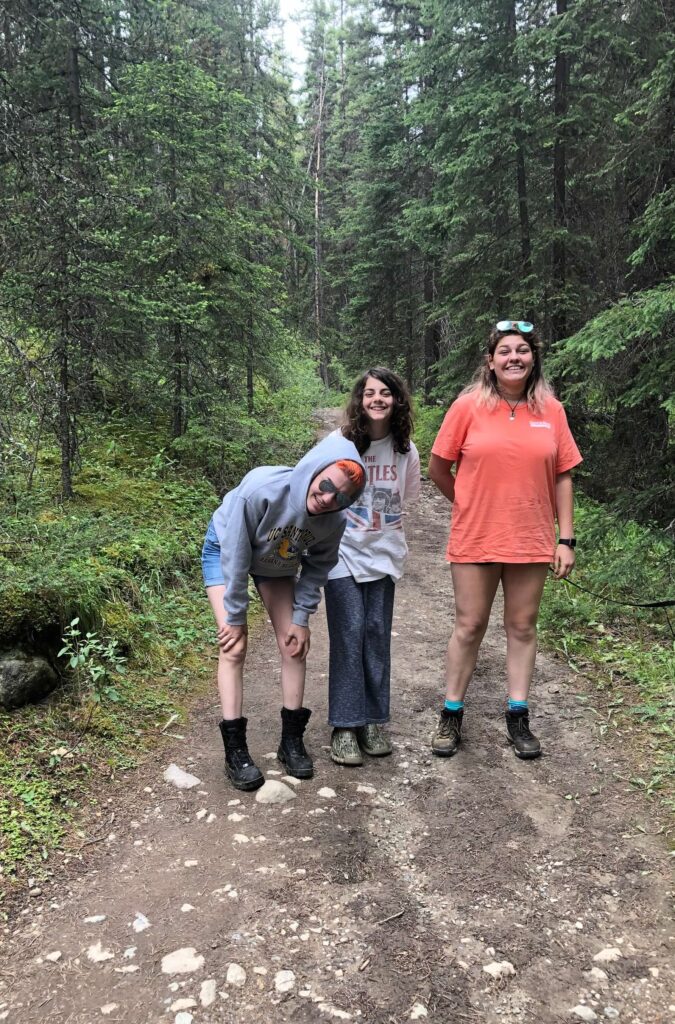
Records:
x=506, y=469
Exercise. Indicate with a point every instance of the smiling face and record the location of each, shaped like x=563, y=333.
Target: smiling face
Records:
x=512, y=362
x=378, y=401
x=337, y=492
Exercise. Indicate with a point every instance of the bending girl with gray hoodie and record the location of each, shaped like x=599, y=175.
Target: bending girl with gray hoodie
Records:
x=282, y=526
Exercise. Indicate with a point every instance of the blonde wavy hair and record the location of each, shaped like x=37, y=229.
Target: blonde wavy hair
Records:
x=484, y=384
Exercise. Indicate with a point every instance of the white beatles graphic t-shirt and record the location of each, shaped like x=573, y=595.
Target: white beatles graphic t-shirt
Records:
x=374, y=545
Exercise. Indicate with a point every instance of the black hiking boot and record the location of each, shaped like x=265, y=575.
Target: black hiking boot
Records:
x=239, y=765
x=448, y=735
x=518, y=731
x=291, y=750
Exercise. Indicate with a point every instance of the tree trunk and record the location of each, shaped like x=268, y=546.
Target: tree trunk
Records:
x=74, y=92
x=178, y=424
x=521, y=177
x=318, y=304
x=559, y=248
x=63, y=413
x=250, y=355
x=431, y=331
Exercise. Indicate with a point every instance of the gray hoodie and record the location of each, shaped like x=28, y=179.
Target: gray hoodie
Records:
x=264, y=528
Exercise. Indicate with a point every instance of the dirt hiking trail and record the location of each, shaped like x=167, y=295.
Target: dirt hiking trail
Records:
x=378, y=894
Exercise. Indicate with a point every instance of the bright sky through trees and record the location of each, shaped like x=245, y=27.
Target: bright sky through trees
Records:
x=290, y=13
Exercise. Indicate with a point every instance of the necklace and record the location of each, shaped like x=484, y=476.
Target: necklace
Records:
x=513, y=407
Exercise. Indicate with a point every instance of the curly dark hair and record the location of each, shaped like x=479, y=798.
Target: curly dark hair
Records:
x=356, y=426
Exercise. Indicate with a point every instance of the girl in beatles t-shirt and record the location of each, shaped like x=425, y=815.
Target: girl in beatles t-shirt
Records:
x=360, y=588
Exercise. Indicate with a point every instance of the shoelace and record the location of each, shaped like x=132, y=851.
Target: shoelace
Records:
x=241, y=759
x=449, y=726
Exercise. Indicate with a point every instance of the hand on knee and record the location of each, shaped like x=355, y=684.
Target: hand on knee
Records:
x=294, y=644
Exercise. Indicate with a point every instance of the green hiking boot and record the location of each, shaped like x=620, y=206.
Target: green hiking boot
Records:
x=344, y=748
x=373, y=740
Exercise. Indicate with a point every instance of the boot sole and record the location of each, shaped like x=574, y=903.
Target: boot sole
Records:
x=247, y=787
x=376, y=753
x=346, y=762
x=444, y=753
x=524, y=756
x=299, y=773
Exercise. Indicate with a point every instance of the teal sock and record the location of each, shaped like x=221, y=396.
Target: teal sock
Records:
x=454, y=705
x=518, y=705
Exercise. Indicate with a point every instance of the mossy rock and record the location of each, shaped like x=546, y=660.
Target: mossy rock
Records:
x=25, y=678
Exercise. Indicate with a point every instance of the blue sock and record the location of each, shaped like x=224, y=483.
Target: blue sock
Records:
x=518, y=705
x=454, y=705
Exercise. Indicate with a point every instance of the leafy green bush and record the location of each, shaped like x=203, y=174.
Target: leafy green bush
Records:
x=629, y=653
x=428, y=420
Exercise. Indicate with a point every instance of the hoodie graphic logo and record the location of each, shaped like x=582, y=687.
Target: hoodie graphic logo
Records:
x=288, y=551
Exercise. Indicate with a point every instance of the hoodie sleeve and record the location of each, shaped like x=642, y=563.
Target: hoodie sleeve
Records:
x=316, y=565
x=235, y=560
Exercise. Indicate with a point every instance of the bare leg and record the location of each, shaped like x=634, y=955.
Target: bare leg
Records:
x=523, y=586
x=277, y=596
x=230, y=664
x=475, y=588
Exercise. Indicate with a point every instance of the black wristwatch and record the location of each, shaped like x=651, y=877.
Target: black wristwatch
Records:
x=571, y=542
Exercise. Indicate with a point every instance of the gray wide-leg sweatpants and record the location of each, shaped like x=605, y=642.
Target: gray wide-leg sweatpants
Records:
x=359, y=626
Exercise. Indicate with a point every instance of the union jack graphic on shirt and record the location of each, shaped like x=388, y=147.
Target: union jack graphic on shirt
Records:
x=379, y=508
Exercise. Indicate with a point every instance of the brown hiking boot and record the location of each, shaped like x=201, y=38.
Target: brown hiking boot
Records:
x=448, y=735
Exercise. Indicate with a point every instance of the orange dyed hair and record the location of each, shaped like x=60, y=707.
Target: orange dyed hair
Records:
x=353, y=471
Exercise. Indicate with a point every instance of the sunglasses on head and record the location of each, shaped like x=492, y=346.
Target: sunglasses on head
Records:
x=524, y=326
x=342, y=500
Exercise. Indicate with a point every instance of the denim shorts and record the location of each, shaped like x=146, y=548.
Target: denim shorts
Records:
x=212, y=571
x=211, y=568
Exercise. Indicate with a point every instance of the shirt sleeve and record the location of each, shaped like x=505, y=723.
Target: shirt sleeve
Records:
x=451, y=436
x=316, y=563
x=412, y=475
x=236, y=552
x=569, y=455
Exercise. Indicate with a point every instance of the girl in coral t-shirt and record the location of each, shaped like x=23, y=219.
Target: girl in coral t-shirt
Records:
x=508, y=439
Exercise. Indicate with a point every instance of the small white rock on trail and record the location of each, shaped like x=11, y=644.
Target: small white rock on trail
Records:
x=475, y=889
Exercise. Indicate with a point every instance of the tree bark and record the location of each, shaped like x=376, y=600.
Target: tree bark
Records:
x=178, y=424
x=559, y=248
x=318, y=297
x=431, y=331
x=63, y=411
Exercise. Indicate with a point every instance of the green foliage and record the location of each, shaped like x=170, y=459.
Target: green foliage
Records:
x=621, y=368
x=121, y=531
x=30, y=822
x=55, y=756
x=279, y=433
x=428, y=419
x=94, y=659
x=628, y=654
